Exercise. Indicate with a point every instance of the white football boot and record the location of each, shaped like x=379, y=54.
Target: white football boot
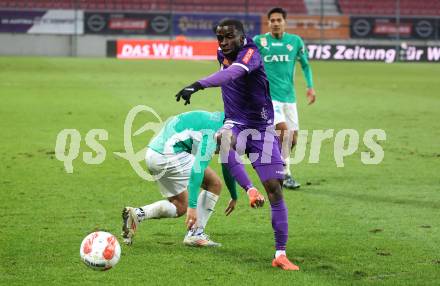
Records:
x=199, y=240
x=130, y=222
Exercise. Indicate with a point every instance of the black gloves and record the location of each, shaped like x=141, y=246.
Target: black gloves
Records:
x=186, y=93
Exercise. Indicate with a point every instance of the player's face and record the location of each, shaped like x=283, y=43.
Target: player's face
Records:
x=229, y=40
x=277, y=24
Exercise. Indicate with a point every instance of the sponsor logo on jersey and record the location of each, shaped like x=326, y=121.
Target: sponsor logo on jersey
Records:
x=264, y=114
x=263, y=42
x=248, y=56
x=277, y=44
x=276, y=58
x=289, y=47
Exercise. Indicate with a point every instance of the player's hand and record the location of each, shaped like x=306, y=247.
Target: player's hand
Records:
x=311, y=95
x=186, y=92
x=231, y=207
x=191, y=217
x=256, y=200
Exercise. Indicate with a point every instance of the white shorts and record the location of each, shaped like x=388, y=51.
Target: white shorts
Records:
x=172, y=171
x=286, y=112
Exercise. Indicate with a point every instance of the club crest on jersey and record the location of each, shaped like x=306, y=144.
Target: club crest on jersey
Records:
x=263, y=42
x=289, y=47
x=248, y=56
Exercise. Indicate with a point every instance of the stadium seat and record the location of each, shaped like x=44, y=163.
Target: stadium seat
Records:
x=388, y=7
x=203, y=6
x=354, y=7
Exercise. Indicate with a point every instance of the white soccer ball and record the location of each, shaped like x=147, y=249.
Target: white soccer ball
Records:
x=100, y=250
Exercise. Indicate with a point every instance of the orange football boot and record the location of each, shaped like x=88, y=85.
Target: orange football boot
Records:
x=284, y=263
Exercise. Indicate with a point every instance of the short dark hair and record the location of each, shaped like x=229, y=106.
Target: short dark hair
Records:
x=277, y=10
x=237, y=24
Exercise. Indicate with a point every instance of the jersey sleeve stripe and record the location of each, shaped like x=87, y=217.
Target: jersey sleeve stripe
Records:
x=241, y=65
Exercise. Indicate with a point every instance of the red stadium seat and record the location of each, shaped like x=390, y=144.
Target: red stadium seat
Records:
x=361, y=7
x=293, y=6
x=388, y=7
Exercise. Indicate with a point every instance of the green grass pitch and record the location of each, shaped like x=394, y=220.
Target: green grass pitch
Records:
x=356, y=225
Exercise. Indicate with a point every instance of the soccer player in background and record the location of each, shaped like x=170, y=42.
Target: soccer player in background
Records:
x=280, y=51
x=179, y=157
x=248, y=108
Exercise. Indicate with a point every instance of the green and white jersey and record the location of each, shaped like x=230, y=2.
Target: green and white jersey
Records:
x=194, y=133
x=186, y=131
x=279, y=57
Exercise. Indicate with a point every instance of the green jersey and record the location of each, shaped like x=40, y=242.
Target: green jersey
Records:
x=188, y=132
x=192, y=132
x=279, y=57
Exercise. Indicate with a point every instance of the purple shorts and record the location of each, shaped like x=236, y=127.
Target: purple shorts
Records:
x=262, y=147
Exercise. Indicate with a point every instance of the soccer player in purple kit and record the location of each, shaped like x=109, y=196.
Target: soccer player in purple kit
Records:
x=248, y=109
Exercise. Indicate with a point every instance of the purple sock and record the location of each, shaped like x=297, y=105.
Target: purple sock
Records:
x=280, y=224
x=237, y=170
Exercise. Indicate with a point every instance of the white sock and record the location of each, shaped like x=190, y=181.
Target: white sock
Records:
x=287, y=167
x=159, y=209
x=205, y=207
x=279, y=252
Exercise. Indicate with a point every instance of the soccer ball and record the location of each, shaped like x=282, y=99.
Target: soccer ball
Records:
x=100, y=250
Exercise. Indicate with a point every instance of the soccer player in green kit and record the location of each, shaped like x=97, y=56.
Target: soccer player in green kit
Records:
x=280, y=51
x=178, y=158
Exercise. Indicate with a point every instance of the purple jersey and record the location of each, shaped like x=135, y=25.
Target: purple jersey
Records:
x=246, y=99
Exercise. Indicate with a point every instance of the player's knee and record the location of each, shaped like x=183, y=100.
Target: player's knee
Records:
x=181, y=209
x=281, y=128
x=180, y=204
x=215, y=186
x=273, y=189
